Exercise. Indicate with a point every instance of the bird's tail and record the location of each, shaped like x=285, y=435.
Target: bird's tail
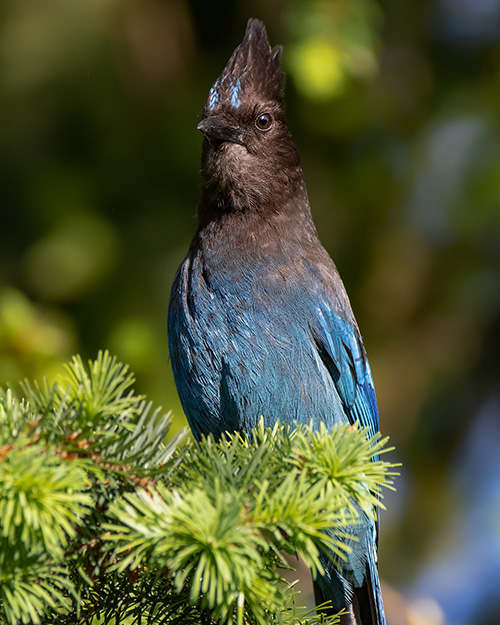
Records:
x=366, y=607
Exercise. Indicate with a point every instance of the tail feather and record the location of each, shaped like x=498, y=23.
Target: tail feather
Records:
x=366, y=607
x=367, y=601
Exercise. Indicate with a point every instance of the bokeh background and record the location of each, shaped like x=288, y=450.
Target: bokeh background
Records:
x=394, y=107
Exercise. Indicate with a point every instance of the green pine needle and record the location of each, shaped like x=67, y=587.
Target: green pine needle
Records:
x=103, y=520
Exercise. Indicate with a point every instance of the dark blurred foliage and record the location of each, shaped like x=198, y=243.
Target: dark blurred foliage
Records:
x=394, y=107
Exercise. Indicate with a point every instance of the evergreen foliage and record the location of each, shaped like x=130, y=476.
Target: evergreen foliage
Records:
x=102, y=521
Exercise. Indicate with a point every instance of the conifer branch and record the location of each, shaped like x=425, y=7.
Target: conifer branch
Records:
x=103, y=520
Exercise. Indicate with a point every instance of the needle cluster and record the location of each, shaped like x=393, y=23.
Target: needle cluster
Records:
x=103, y=521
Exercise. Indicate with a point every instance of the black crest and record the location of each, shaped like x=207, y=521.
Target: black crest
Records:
x=252, y=66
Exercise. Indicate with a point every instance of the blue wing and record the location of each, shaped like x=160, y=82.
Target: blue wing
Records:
x=341, y=349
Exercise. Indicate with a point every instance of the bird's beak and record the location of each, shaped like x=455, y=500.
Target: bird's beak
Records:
x=215, y=129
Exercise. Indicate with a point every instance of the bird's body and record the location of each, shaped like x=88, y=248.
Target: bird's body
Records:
x=259, y=320
x=256, y=347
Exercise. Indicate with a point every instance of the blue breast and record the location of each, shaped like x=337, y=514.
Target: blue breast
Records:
x=273, y=337
x=244, y=345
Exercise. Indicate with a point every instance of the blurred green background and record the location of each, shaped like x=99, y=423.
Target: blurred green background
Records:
x=394, y=107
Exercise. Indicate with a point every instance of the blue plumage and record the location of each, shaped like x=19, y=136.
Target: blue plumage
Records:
x=255, y=352
x=259, y=321
x=213, y=96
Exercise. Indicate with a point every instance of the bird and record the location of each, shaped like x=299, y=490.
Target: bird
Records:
x=259, y=321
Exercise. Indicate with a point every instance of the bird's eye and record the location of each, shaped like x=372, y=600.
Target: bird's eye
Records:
x=264, y=121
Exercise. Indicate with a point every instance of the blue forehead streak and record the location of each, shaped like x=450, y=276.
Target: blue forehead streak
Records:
x=213, y=96
x=235, y=89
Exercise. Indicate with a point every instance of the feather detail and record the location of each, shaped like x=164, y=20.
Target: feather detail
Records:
x=253, y=65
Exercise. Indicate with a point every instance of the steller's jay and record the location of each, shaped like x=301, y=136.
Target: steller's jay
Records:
x=259, y=320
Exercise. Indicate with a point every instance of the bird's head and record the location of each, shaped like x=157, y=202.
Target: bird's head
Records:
x=248, y=153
